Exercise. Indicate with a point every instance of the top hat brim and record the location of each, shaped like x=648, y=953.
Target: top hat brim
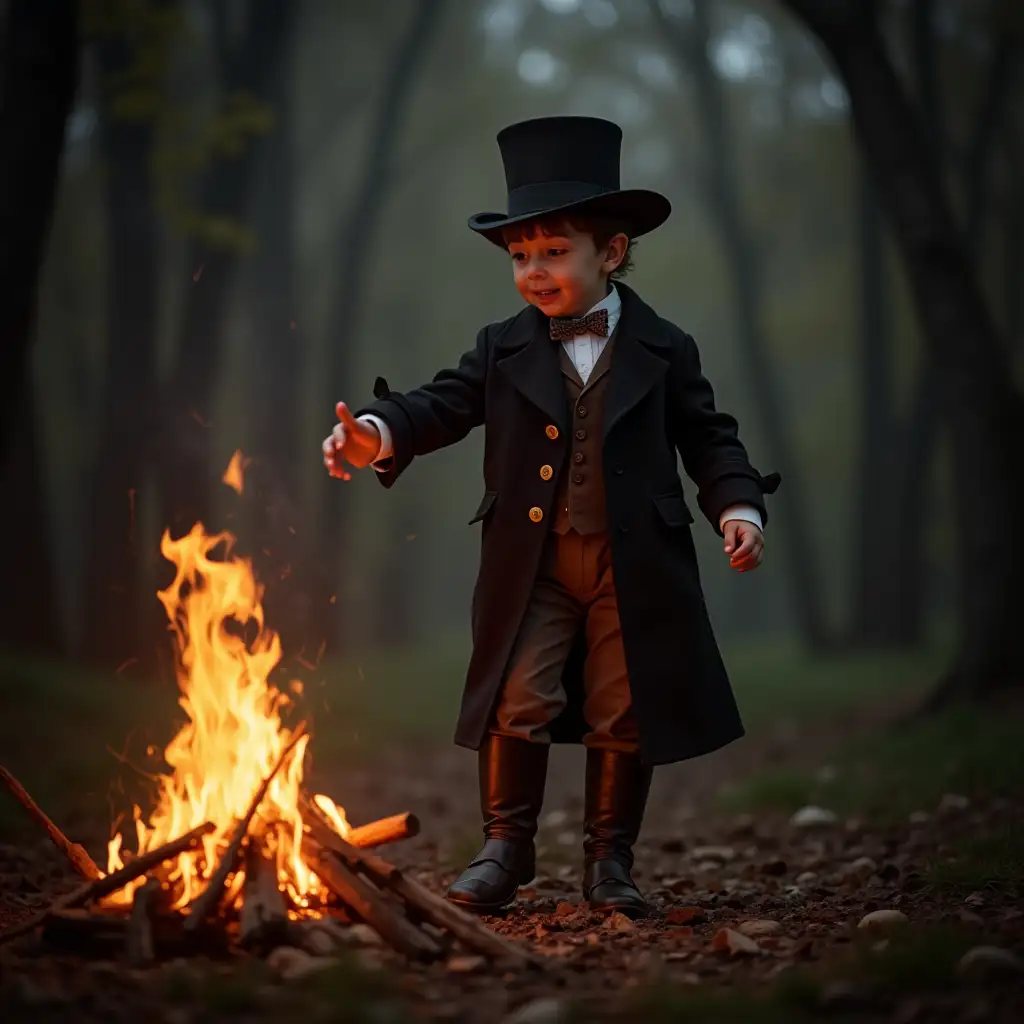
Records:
x=640, y=210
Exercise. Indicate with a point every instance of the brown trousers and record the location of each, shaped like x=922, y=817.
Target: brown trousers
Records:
x=574, y=586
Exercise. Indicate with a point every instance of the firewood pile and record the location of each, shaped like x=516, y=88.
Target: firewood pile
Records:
x=258, y=916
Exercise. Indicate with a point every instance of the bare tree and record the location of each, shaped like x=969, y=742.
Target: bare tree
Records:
x=692, y=44
x=983, y=412
x=38, y=77
x=356, y=236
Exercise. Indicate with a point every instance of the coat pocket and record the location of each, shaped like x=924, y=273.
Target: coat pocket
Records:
x=486, y=504
x=672, y=509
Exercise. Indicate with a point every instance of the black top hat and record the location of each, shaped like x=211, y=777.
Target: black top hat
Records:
x=555, y=164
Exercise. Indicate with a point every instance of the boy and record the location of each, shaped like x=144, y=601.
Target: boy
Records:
x=588, y=620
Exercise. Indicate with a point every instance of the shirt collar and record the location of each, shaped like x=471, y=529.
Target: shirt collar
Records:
x=613, y=303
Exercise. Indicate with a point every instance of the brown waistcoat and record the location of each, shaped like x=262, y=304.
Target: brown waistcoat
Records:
x=580, y=503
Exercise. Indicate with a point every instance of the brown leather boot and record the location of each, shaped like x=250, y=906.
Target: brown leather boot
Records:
x=512, y=777
x=616, y=796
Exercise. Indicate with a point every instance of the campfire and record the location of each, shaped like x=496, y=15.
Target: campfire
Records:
x=236, y=852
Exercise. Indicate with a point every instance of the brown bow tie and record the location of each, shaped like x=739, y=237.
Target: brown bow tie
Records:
x=563, y=328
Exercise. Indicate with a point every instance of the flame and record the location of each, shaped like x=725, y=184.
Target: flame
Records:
x=234, y=734
x=234, y=475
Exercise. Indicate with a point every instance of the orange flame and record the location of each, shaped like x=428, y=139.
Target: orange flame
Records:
x=234, y=735
x=234, y=475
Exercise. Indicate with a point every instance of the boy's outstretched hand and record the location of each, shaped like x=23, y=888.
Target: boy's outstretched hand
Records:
x=744, y=542
x=351, y=440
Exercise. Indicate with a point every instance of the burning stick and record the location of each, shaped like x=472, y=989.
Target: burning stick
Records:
x=80, y=860
x=369, y=904
x=209, y=899
x=385, y=830
x=264, y=921
x=425, y=905
x=139, y=936
x=111, y=883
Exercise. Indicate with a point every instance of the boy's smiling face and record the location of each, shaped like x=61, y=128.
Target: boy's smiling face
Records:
x=560, y=270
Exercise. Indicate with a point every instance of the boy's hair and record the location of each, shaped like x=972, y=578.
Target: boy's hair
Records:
x=601, y=227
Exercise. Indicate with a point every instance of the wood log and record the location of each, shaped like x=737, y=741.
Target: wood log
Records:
x=421, y=902
x=385, y=830
x=139, y=933
x=111, y=883
x=372, y=907
x=77, y=856
x=264, y=918
x=206, y=903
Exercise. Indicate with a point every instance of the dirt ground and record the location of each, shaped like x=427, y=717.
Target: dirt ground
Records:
x=741, y=903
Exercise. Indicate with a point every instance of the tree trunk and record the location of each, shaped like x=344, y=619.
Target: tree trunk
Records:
x=722, y=192
x=187, y=470
x=355, y=254
x=985, y=416
x=38, y=76
x=877, y=595
x=114, y=609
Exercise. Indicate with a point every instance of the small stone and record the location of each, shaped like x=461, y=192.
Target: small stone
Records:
x=465, y=964
x=718, y=854
x=362, y=935
x=774, y=868
x=618, y=922
x=678, y=886
x=556, y=819
x=674, y=845
x=813, y=817
x=807, y=877
x=843, y=995
x=538, y=1011
x=757, y=928
x=882, y=919
x=918, y=817
x=975, y=899
x=951, y=803
x=293, y=964
x=986, y=963
x=862, y=867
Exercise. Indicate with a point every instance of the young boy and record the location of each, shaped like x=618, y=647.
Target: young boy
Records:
x=589, y=624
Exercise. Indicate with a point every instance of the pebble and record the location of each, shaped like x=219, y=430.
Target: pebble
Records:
x=538, y=1011
x=755, y=928
x=883, y=919
x=556, y=819
x=465, y=964
x=984, y=963
x=292, y=964
x=811, y=817
x=713, y=853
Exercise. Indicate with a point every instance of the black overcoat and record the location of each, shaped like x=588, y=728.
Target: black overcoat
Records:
x=658, y=403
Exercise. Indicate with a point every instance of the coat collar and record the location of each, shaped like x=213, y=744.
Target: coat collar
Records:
x=528, y=356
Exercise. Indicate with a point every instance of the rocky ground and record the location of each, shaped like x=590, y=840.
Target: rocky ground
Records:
x=759, y=917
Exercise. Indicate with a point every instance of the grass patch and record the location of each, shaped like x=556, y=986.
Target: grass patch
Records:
x=973, y=751
x=913, y=961
x=994, y=861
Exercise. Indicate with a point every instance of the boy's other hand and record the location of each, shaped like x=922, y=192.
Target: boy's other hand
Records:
x=351, y=440
x=744, y=543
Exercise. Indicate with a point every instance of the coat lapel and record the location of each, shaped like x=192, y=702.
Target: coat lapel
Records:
x=529, y=358
x=639, y=359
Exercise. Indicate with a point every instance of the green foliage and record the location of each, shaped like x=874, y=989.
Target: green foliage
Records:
x=904, y=768
x=142, y=39
x=992, y=861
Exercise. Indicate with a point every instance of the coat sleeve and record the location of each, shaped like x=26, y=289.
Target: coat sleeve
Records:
x=435, y=415
x=708, y=442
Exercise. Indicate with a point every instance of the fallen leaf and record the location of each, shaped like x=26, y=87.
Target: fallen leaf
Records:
x=618, y=922
x=465, y=964
x=726, y=940
x=685, y=915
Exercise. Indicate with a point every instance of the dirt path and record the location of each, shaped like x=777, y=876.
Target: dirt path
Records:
x=736, y=899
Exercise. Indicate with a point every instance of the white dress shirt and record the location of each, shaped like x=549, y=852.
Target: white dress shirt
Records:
x=584, y=350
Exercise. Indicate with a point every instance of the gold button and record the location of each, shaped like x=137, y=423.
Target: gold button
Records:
x=536, y=514
x=546, y=472
x=552, y=431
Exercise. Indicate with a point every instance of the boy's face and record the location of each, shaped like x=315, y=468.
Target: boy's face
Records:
x=559, y=269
